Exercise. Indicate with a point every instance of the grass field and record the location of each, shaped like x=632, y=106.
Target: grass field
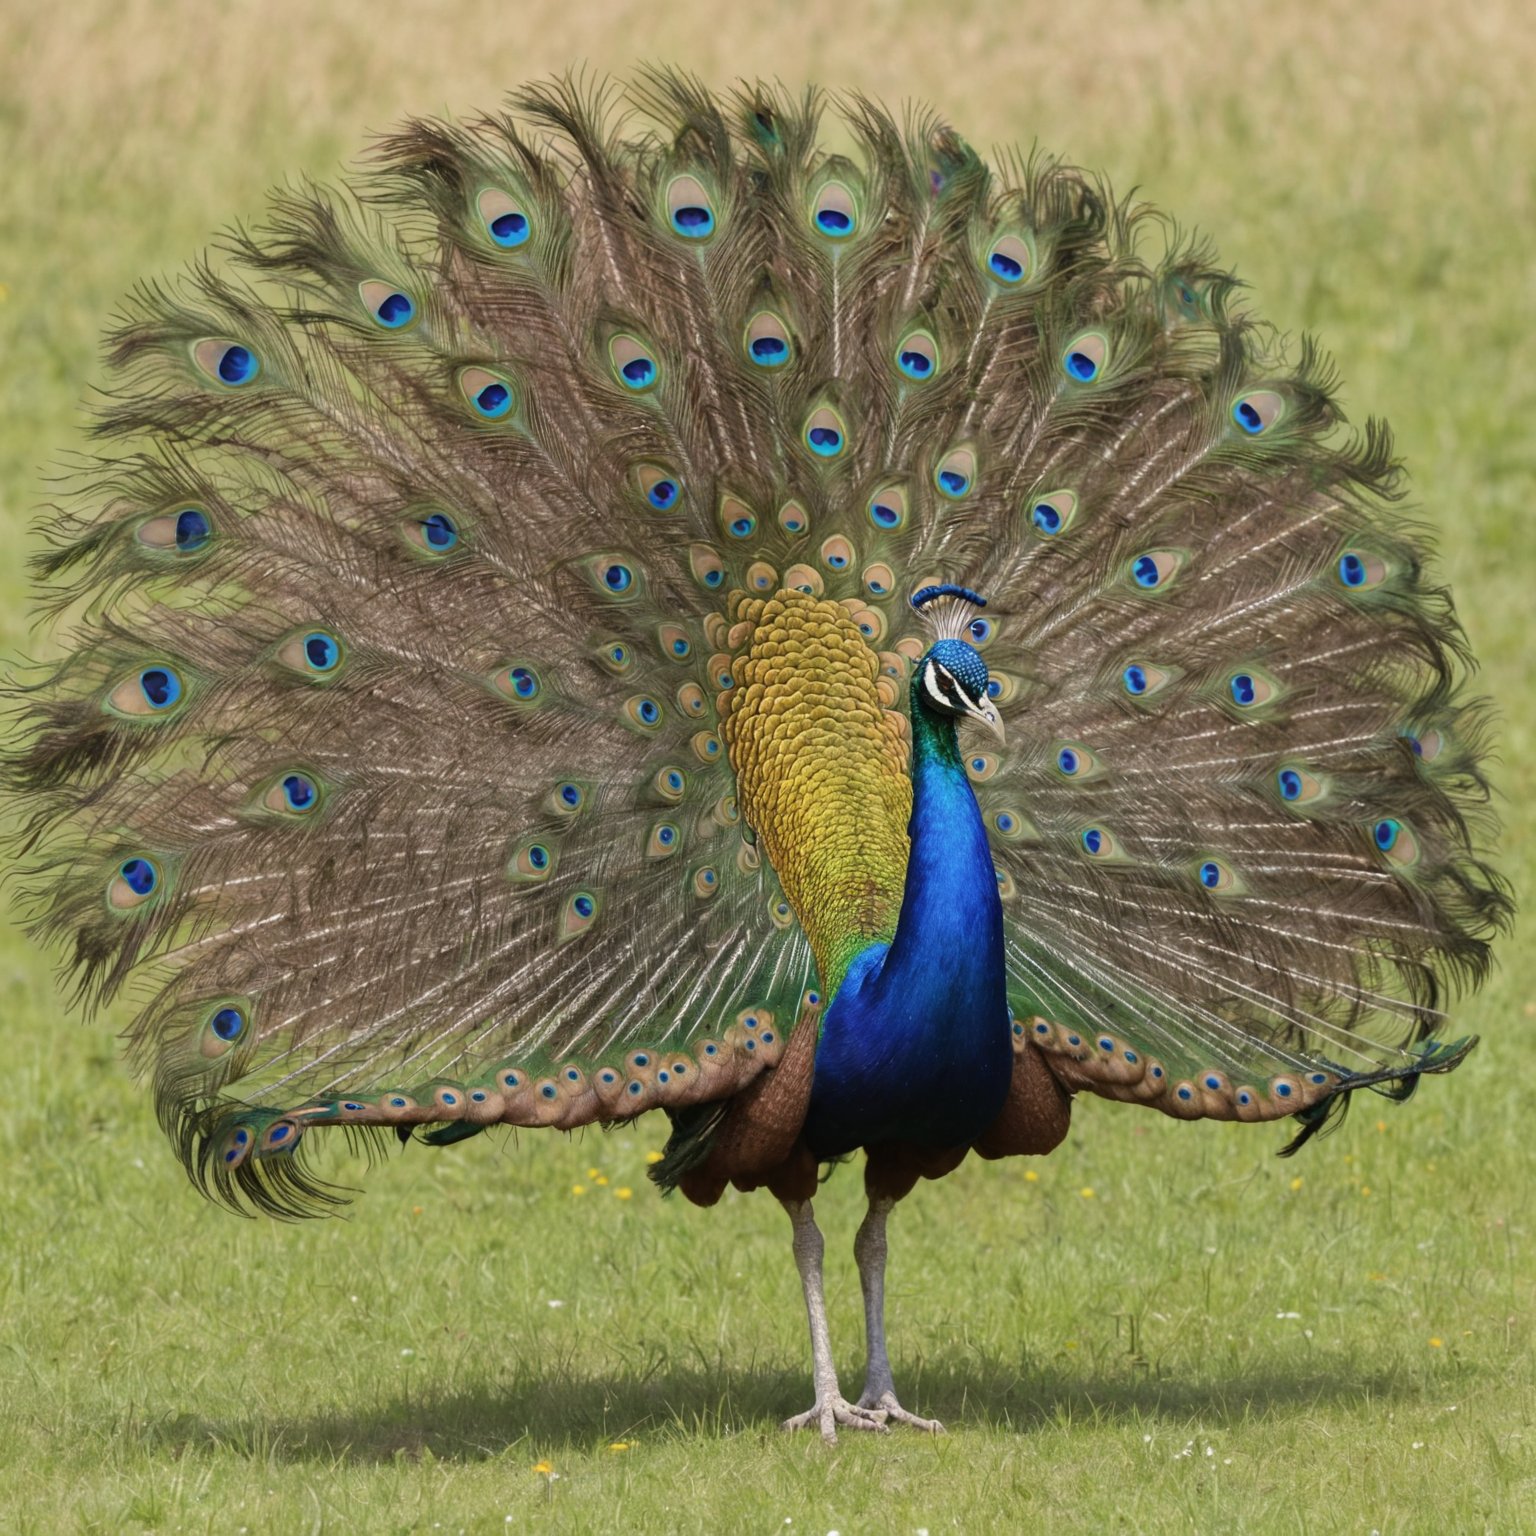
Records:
x=1161, y=1327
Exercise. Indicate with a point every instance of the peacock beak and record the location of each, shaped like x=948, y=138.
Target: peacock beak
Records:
x=986, y=712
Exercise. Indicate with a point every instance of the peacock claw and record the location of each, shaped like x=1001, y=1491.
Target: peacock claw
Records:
x=895, y=1414
x=834, y=1409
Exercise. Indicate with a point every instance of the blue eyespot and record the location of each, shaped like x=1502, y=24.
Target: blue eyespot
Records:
x=648, y=711
x=299, y=792
x=1081, y=366
x=618, y=578
x=835, y=222
x=1290, y=784
x=1146, y=572
x=538, y=856
x=228, y=1023
x=394, y=311
x=1093, y=840
x=524, y=681
x=1004, y=267
x=915, y=364
x=883, y=515
x=584, y=906
x=1352, y=570
x=1005, y=822
x=1243, y=690
x=570, y=794
x=742, y=527
x=1210, y=875
x=494, y=400
x=769, y=351
x=1046, y=518
x=1068, y=761
x=693, y=221
x=1248, y=418
x=140, y=876
x=160, y=686
x=509, y=230
x=826, y=441
x=638, y=372
x=980, y=631
x=238, y=365
x=952, y=482
x=1135, y=679
x=667, y=836
x=661, y=494
x=321, y=651
x=1385, y=833
x=192, y=530
x=675, y=781
x=439, y=532
x=994, y=688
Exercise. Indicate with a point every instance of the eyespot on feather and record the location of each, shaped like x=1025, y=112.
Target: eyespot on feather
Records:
x=230, y=364
x=981, y=766
x=917, y=357
x=767, y=340
x=660, y=487
x=431, y=531
x=614, y=656
x=1361, y=571
x=955, y=476
x=1009, y=261
x=689, y=209
x=670, y=783
x=1426, y=745
x=1141, y=679
x=1257, y=411
x=825, y=435
x=634, y=364
x=837, y=554
x=707, y=748
x=1296, y=786
x=316, y=654
x=663, y=840
x=504, y=219
x=673, y=641
x=834, y=213
x=1153, y=570
x=1098, y=843
x=887, y=508
x=293, y=794
x=737, y=519
x=579, y=915
x=391, y=308
x=793, y=519
x=151, y=692
x=186, y=532
x=871, y=624
x=761, y=577
x=691, y=700
x=1395, y=841
x=533, y=862
x=616, y=576
x=1248, y=688
x=804, y=578
x=1073, y=761
x=1010, y=824
x=879, y=580
x=643, y=712
x=1083, y=358
x=136, y=881
x=1003, y=687
x=520, y=681
x=223, y=1026
x=1052, y=513
x=1216, y=875
x=707, y=567
x=706, y=882
x=490, y=395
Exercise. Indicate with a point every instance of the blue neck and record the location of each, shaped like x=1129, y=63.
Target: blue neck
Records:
x=915, y=1045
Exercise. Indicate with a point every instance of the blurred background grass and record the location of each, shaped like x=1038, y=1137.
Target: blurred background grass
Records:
x=1200, y=1341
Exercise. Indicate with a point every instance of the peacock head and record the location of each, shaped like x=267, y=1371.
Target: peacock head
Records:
x=951, y=679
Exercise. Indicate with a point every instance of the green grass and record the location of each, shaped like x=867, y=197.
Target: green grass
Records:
x=166, y=1367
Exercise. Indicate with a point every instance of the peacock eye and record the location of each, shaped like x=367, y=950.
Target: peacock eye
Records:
x=825, y=434
x=834, y=213
x=767, y=340
x=660, y=487
x=154, y=690
x=135, y=881
x=227, y=362
x=1009, y=261
x=1215, y=875
x=505, y=220
x=688, y=209
x=981, y=631
x=643, y=711
x=1083, y=358
x=1360, y=571
x=888, y=507
x=488, y=393
x=633, y=363
x=917, y=356
x=707, y=567
x=316, y=653
x=956, y=473
x=435, y=532
x=1155, y=569
x=1098, y=843
x=520, y=681
x=389, y=307
x=837, y=553
x=1053, y=512
x=1257, y=412
x=737, y=518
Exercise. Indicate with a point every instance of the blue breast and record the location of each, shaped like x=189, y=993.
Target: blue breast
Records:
x=916, y=1044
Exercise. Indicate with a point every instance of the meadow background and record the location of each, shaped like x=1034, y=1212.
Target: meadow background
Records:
x=1160, y=1327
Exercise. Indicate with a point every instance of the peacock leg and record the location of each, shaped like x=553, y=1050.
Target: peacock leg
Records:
x=869, y=1249
x=831, y=1408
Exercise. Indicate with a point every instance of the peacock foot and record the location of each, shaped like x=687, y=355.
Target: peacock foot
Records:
x=832, y=1409
x=885, y=1403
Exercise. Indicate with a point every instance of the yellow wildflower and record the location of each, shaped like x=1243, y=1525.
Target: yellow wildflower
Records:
x=620, y=1445
x=544, y=1468
x=1437, y=1343
x=653, y=1157
x=578, y=1189
x=601, y=1180
x=623, y=1192
x=1296, y=1183
x=1030, y=1176
x=1086, y=1193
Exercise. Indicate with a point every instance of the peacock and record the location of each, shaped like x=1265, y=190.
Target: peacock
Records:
x=623, y=608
